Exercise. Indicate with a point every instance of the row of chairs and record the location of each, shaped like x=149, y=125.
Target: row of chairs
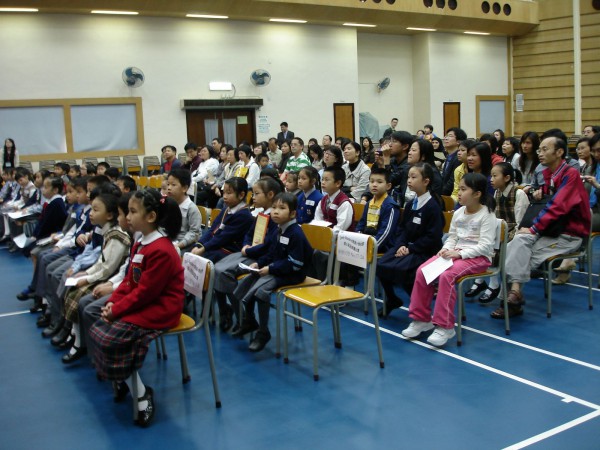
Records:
x=129, y=165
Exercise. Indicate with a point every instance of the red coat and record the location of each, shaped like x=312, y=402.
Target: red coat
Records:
x=151, y=295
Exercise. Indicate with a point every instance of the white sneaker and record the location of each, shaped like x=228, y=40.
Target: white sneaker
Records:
x=416, y=328
x=440, y=336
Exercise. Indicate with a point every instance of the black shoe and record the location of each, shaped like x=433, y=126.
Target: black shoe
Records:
x=25, y=295
x=66, y=345
x=248, y=326
x=38, y=305
x=120, y=391
x=259, y=341
x=61, y=336
x=72, y=357
x=225, y=318
x=43, y=321
x=476, y=289
x=489, y=295
x=145, y=417
x=51, y=330
x=390, y=305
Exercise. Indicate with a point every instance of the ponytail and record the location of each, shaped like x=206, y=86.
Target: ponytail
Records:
x=168, y=214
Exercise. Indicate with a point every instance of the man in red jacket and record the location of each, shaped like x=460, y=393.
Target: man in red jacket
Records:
x=532, y=246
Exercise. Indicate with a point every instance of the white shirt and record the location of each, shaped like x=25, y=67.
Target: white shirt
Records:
x=472, y=235
x=344, y=214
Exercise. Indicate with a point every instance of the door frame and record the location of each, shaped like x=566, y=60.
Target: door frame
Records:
x=507, y=105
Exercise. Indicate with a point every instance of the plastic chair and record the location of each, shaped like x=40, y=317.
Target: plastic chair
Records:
x=332, y=296
x=500, y=248
x=155, y=181
x=358, y=209
x=591, y=258
x=131, y=165
x=320, y=239
x=213, y=215
x=449, y=203
x=115, y=161
x=548, y=267
x=151, y=164
x=90, y=159
x=26, y=165
x=188, y=325
x=448, y=219
x=142, y=182
x=47, y=164
x=204, y=216
x=70, y=162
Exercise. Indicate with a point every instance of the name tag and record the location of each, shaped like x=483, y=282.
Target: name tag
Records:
x=98, y=230
x=417, y=220
x=7, y=164
x=334, y=207
x=310, y=202
x=138, y=258
x=222, y=226
x=284, y=240
x=74, y=215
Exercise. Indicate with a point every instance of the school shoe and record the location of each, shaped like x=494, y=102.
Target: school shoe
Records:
x=260, y=341
x=440, y=336
x=145, y=417
x=416, y=328
x=43, y=321
x=120, y=391
x=38, y=306
x=225, y=318
x=476, y=289
x=66, y=345
x=25, y=294
x=52, y=329
x=69, y=358
x=248, y=326
x=489, y=295
x=61, y=336
x=390, y=305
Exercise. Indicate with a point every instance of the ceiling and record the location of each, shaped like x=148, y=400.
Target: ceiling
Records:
x=389, y=16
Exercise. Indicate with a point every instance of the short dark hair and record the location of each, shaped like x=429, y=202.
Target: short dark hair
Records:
x=376, y=170
x=429, y=126
x=182, y=175
x=168, y=214
x=395, y=118
x=123, y=204
x=103, y=164
x=283, y=124
x=338, y=173
x=172, y=147
x=56, y=183
x=64, y=166
x=21, y=172
x=245, y=149
x=555, y=132
x=112, y=172
x=99, y=180
x=404, y=137
x=288, y=199
x=458, y=132
x=80, y=182
x=128, y=182
x=261, y=156
x=299, y=140
x=190, y=146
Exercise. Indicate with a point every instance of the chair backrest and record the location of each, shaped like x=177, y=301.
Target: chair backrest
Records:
x=207, y=285
x=92, y=160
x=322, y=239
x=114, y=161
x=26, y=165
x=182, y=157
x=142, y=182
x=155, y=181
x=47, y=164
x=213, y=215
x=204, y=216
x=70, y=162
x=349, y=244
x=151, y=164
x=131, y=164
x=358, y=209
x=448, y=219
x=448, y=203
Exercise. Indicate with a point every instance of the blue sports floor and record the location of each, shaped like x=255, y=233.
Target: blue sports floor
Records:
x=537, y=388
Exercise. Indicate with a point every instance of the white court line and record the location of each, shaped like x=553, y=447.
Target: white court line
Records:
x=541, y=387
x=582, y=286
x=554, y=431
x=14, y=313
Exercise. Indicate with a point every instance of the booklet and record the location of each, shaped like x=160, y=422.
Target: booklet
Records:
x=434, y=269
x=248, y=268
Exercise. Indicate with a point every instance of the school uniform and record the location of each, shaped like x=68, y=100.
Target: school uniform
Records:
x=337, y=210
x=149, y=300
x=307, y=204
x=421, y=232
x=511, y=204
x=380, y=220
x=190, y=224
x=53, y=217
x=226, y=235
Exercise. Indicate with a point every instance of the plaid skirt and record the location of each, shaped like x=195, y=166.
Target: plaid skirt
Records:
x=119, y=348
x=72, y=298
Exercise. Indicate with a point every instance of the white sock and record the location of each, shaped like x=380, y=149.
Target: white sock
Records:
x=141, y=390
x=75, y=332
x=494, y=283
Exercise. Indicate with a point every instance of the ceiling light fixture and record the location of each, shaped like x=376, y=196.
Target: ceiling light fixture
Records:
x=220, y=86
x=19, y=10
x=288, y=20
x=365, y=25
x=122, y=13
x=479, y=33
x=205, y=16
x=421, y=29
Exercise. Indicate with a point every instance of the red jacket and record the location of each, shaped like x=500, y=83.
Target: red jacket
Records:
x=151, y=295
x=570, y=199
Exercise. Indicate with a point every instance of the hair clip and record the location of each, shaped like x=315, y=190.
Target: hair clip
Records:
x=162, y=200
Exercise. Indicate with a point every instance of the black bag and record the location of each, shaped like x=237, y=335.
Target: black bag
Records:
x=555, y=229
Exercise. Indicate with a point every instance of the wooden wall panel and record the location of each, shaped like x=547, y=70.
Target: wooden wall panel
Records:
x=590, y=64
x=543, y=71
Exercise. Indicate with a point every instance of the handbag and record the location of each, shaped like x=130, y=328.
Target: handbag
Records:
x=555, y=229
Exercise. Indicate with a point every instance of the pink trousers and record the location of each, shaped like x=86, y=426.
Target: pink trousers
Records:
x=422, y=294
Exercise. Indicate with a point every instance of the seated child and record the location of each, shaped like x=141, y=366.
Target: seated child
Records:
x=227, y=269
x=417, y=239
x=470, y=245
x=335, y=206
x=309, y=197
x=291, y=183
x=282, y=261
x=148, y=302
x=178, y=182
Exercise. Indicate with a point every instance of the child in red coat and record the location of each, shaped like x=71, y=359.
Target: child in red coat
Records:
x=147, y=302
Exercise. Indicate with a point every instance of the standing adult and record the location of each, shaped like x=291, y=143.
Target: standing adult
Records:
x=10, y=156
x=392, y=128
x=285, y=134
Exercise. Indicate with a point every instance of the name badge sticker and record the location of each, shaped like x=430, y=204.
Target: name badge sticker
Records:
x=417, y=220
x=74, y=215
x=334, y=207
x=138, y=258
x=222, y=226
x=310, y=203
x=284, y=240
x=98, y=230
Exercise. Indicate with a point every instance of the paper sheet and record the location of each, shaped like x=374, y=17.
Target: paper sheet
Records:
x=19, y=214
x=245, y=267
x=72, y=281
x=20, y=240
x=435, y=268
x=321, y=223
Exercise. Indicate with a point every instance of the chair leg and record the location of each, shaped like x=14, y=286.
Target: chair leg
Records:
x=278, y=325
x=506, y=316
x=338, y=333
x=315, y=346
x=377, y=332
x=285, y=332
x=548, y=282
x=461, y=307
x=185, y=373
x=163, y=347
x=213, y=372
x=134, y=394
x=296, y=310
x=158, y=353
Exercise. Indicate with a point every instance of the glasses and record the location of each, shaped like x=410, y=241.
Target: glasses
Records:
x=543, y=150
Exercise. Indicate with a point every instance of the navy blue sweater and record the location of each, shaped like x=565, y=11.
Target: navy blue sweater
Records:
x=228, y=231
x=421, y=230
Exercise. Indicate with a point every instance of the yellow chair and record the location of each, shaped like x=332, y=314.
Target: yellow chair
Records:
x=204, y=216
x=448, y=218
x=142, y=182
x=155, y=181
x=331, y=295
x=320, y=239
x=449, y=203
x=358, y=209
x=188, y=325
x=214, y=213
x=500, y=248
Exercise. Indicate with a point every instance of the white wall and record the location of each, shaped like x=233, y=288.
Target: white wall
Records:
x=73, y=56
x=461, y=67
x=381, y=56
x=422, y=82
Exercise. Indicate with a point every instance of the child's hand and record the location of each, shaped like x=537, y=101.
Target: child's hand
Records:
x=107, y=314
x=244, y=249
x=82, y=282
x=254, y=265
x=69, y=272
x=81, y=240
x=402, y=251
x=537, y=195
x=103, y=289
x=449, y=254
x=263, y=271
x=198, y=251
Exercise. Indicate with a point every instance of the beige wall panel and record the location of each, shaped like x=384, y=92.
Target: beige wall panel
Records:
x=591, y=43
x=543, y=60
x=591, y=102
x=589, y=79
x=546, y=104
x=551, y=9
x=591, y=91
x=543, y=82
x=591, y=30
x=591, y=67
x=554, y=24
x=536, y=71
x=565, y=45
x=566, y=92
x=522, y=127
x=543, y=36
x=589, y=55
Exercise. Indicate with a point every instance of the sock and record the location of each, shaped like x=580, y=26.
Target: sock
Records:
x=75, y=332
x=141, y=389
x=494, y=283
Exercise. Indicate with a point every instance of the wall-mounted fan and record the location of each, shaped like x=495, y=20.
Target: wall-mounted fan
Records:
x=260, y=77
x=133, y=77
x=383, y=84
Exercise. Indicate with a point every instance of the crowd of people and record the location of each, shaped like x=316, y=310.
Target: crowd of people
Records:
x=106, y=256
